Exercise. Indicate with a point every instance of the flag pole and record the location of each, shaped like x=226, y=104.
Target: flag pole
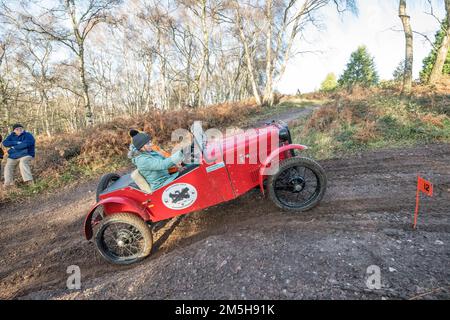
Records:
x=416, y=213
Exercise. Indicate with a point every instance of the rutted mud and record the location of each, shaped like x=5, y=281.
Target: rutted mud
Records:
x=248, y=248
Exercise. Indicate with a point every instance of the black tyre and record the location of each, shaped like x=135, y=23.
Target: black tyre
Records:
x=124, y=238
x=298, y=185
x=105, y=182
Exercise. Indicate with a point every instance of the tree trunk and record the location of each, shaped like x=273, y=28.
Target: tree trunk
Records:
x=441, y=56
x=407, y=74
x=87, y=102
x=249, y=62
x=4, y=106
x=198, y=100
x=268, y=92
x=436, y=72
x=46, y=104
x=248, y=56
x=70, y=9
x=187, y=98
x=165, y=95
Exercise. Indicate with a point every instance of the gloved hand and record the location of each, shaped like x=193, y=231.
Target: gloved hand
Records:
x=187, y=154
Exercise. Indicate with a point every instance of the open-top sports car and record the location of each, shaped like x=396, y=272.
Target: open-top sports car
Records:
x=126, y=210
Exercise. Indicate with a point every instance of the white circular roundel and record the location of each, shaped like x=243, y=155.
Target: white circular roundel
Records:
x=179, y=196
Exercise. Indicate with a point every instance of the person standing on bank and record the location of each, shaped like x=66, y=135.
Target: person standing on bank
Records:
x=21, y=151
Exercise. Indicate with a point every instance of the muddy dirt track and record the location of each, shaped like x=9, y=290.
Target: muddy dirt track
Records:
x=248, y=248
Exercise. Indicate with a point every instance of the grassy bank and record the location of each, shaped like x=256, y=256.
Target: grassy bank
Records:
x=344, y=123
x=377, y=118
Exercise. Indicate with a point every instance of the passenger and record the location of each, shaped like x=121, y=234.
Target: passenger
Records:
x=152, y=165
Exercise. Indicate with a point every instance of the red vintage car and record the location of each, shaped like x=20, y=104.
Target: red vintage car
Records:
x=121, y=221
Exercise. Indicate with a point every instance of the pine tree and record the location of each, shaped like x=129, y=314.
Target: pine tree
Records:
x=329, y=84
x=429, y=61
x=399, y=72
x=360, y=70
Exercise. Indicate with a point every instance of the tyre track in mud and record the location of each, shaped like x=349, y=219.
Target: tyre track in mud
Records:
x=248, y=248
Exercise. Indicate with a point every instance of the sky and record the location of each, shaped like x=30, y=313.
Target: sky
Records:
x=342, y=34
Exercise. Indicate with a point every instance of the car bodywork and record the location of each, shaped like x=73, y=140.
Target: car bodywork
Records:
x=206, y=184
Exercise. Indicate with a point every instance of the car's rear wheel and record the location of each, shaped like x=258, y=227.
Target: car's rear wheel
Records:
x=298, y=185
x=124, y=238
x=105, y=182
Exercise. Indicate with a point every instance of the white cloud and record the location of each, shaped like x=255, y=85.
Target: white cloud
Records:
x=343, y=34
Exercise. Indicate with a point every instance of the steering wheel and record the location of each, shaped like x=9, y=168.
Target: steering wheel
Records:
x=188, y=154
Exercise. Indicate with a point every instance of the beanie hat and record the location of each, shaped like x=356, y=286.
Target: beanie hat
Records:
x=140, y=140
x=17, y=125
x=133, y=132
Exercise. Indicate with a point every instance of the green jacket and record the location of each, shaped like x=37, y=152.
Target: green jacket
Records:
x=154, y=167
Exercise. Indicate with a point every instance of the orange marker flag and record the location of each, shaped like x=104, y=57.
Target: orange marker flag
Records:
x=427, y=188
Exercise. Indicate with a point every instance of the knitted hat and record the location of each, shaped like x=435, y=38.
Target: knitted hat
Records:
x=17, y=125
x=140, y=140
x=133, y=132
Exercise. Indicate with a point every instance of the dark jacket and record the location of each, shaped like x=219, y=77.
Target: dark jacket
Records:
x=1, y=150
x=20, y=146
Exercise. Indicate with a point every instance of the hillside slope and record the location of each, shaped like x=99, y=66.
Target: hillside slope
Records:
x=249, y=249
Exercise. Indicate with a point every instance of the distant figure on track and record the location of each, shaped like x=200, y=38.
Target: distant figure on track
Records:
x=21, y=152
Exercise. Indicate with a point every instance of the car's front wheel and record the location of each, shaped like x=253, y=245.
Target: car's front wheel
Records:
x=124, y=238
x=298, y=185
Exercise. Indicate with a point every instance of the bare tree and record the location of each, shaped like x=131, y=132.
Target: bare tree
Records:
x=10, y=81
x=83, y=17
x=35, y=59
x=278, y=24
x=245, y=39
x=268, y=92
x=4, y=87
x=163, y=54
x=199, y=8
x=407, y=74
x=442, y=52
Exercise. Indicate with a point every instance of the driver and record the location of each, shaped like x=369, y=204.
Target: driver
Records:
x=152, y=165
x=132, y=150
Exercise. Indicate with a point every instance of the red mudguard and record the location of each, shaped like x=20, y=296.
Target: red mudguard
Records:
x=114, y=205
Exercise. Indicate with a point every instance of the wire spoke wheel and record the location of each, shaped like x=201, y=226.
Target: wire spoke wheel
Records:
x=124, y=239
x=298, y=185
